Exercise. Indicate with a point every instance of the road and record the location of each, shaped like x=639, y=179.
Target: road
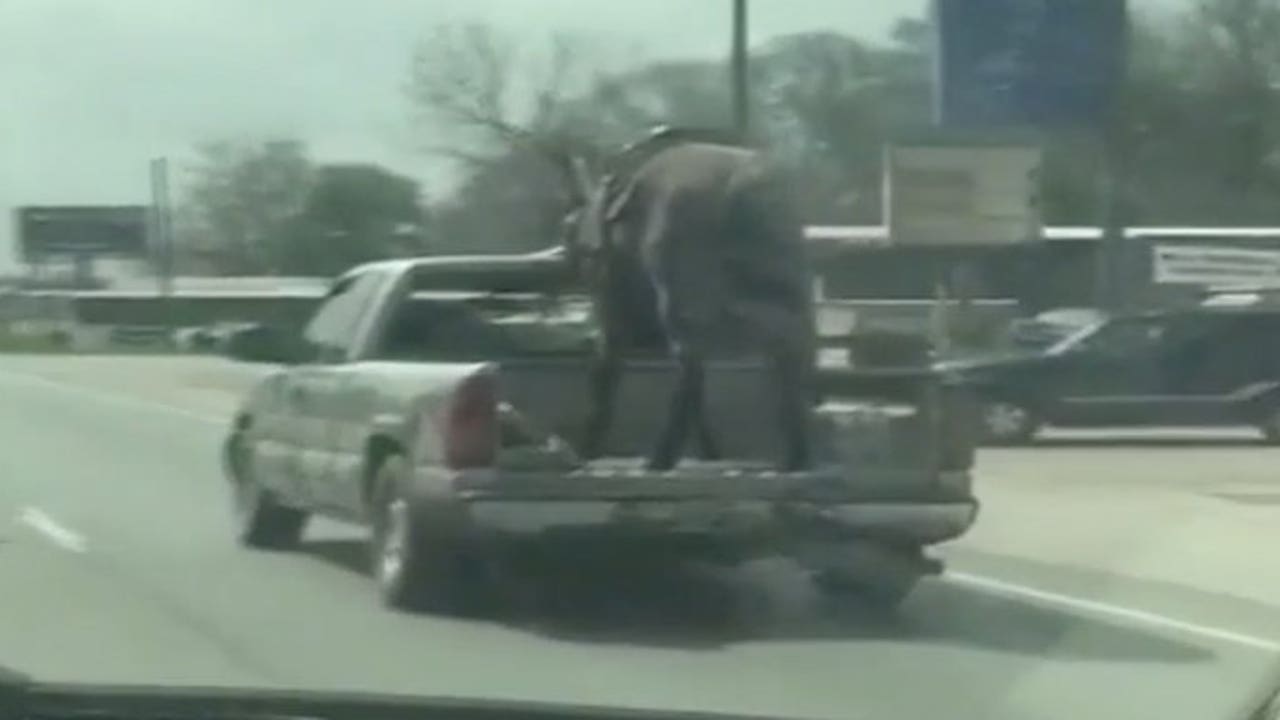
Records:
x=1105, y=579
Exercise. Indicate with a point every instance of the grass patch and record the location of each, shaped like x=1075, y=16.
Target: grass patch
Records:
x=44, y=343
x=61, y=343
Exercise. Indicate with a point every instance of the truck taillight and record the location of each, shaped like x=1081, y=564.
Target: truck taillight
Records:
x=470, y=423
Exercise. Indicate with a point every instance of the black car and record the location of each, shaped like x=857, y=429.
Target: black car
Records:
x=1215, y=364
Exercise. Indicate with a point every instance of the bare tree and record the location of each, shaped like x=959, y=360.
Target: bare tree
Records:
x=488, y=96
x=510, y=115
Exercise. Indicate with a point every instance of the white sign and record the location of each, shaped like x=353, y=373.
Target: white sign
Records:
x=1218, y=266
x=960, y=195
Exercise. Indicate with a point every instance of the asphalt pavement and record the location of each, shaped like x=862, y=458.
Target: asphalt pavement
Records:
x=1131, y=577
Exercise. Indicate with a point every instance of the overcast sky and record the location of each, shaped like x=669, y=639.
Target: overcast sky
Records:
x=93, y=88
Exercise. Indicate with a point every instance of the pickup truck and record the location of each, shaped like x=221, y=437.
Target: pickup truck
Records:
x=436, y=401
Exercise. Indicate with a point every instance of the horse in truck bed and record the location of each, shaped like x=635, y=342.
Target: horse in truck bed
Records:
x=690, y=244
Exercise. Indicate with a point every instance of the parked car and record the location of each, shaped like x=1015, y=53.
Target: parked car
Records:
x=1215, y=364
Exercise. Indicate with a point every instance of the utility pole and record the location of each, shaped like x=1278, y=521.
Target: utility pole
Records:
x=1117, y=151
x=162, y=236
x=738, y=69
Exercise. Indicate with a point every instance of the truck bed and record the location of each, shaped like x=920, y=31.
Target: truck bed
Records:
x=879, y=434
x=553, y=394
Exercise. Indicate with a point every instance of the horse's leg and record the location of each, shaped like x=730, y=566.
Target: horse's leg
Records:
x=707, y=440
x=792, y=377
x=605, y=370
x=602, y=394
x=685, y=405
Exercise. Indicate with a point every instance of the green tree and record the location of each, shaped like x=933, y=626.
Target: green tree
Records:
x=828, y=109
x=1236, y=47
x=239, y=202
x=354, y=213
x=253, y=208
x=510, y=203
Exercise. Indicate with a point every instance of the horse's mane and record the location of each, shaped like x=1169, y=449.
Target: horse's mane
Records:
x=623, y=164
x=629, y=159
x=670, y=134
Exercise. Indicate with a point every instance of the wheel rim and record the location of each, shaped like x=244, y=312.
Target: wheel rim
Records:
x=1005, y=420
x=395, y=540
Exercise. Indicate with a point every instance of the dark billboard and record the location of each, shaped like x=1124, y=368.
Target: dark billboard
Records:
x=99, y=230
x=1028, y=63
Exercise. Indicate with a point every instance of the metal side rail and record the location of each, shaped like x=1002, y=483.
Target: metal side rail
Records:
x=715, y=481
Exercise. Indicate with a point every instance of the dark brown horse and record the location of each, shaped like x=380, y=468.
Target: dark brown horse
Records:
x=690, y=245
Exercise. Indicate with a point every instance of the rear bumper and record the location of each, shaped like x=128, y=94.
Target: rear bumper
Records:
x=921, y=523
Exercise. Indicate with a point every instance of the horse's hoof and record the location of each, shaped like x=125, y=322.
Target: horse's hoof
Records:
x=660, y=465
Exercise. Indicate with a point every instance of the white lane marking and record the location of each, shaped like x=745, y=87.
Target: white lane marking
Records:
x=119, y=399
x=58, y=533
x=1004, y=587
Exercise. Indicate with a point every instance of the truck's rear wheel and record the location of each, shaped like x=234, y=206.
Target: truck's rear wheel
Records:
x=416, y=567
x=261, y=520
x=881, y=594
x=876, y=576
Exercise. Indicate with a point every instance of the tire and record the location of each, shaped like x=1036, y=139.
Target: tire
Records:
x=1007, y=422
x=1269, y=425
x=881, y=594
x=875, y=576
x=262, y=522
x=415, y=566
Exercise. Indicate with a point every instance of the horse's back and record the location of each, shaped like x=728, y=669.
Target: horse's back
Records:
x=709, y=222
x=719, y=236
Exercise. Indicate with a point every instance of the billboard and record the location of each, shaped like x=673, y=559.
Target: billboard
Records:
x=1214, y=266
x=1028, y=63
x=99, y=230
x=962, y=194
